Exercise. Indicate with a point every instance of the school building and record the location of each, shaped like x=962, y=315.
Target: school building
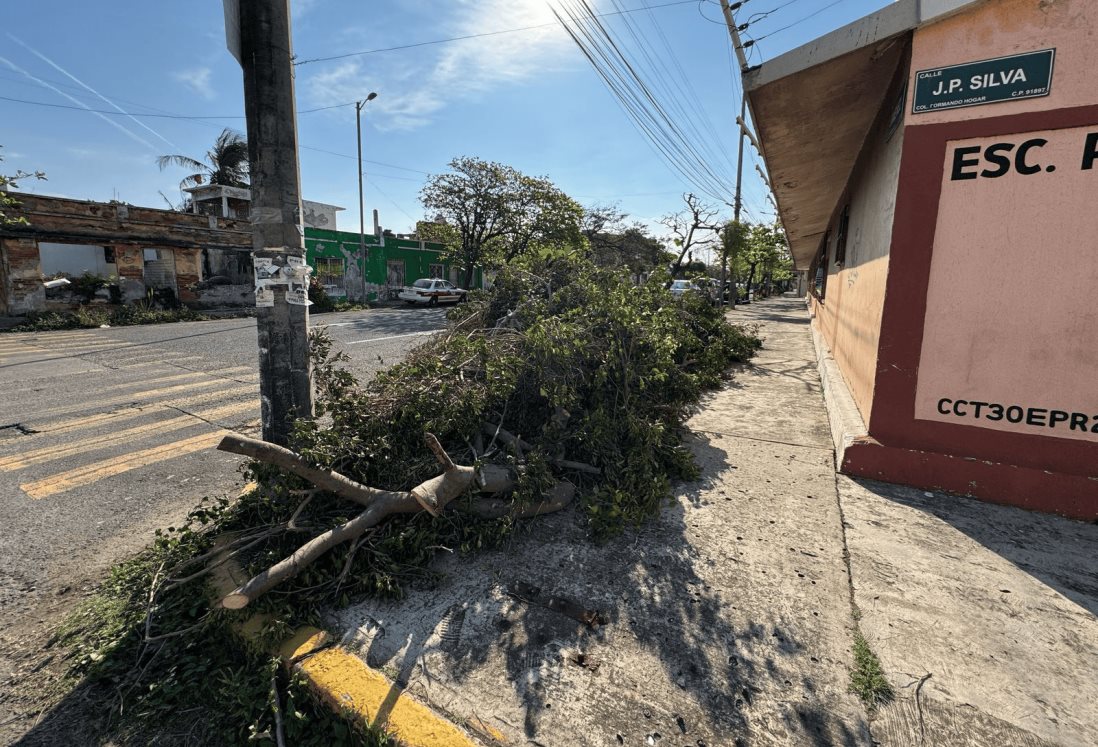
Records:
x=935, y=166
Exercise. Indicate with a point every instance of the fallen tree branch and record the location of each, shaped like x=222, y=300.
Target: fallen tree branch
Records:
x=289, y=567
x=558, y=498
x=519, y=446
x=432, y=495
x=323, y=478
x=498, y=431
x=577, y=466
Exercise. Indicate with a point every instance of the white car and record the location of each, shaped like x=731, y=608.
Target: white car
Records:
x=681, y=287
x=431, y=291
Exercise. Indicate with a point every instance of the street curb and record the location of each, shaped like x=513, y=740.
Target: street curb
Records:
x=847, y=426
x=349, y=687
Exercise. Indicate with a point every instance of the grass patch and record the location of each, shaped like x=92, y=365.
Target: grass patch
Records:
x=867, y=679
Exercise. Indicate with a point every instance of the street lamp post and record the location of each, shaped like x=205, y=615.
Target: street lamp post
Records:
x=361, y=209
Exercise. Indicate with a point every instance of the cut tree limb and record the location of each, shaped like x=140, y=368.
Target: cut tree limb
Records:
x=577, y=466
x=327, y=479
x=494, y=479
x=507, y=437
x=520, y=446
x=287, y=568
x=436, y=492
x=432, y=495
x=558, y=497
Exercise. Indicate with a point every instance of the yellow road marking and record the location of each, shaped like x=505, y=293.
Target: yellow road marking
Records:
x=132, y=397
x=86, y=421
x=50, y=453
x=97, y=471
x=221, y=373
x=346, y=682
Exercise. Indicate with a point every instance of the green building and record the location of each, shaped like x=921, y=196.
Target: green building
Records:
x=390, y=265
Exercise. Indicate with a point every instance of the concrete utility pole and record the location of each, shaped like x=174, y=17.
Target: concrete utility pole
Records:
x=285, y=372
x=361, y=208
x=738, y=202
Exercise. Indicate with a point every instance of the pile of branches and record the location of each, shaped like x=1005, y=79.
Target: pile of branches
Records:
x=565, y=384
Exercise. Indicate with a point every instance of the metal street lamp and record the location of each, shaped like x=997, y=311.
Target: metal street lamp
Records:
x=361, y=209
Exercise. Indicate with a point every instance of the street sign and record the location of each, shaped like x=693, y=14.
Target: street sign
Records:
x=232, y=27
x=1019, y=76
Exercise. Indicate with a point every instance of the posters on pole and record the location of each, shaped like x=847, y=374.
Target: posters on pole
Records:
x=293, y=276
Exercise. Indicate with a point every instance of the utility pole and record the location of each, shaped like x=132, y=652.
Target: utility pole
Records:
x=278, y=246
x=738, y=202
x=361, y=208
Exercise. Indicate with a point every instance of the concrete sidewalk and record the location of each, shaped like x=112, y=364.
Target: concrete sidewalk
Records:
x=730, y=618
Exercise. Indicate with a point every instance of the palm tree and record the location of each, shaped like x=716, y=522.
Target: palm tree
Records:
x=226, y=163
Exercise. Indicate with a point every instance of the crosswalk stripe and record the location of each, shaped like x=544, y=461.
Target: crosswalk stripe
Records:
x=234, y=375
x=130, y=397
x=50, y=453
x=129, y=413
x=97, y=471
x=220, y=374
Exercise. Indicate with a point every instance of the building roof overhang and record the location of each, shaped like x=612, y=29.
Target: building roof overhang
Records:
x=813, y=107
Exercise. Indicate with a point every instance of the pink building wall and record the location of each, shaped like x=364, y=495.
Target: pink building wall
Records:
x=1011, y=319
x=992, y=275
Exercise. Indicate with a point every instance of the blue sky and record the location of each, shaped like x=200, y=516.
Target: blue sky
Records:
x=528, y=98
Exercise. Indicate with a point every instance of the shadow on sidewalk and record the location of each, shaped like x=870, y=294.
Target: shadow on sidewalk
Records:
x=681, y=652
x=1060, y=553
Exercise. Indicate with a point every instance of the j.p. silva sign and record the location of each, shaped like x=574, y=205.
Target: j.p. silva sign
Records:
x=1019, y=76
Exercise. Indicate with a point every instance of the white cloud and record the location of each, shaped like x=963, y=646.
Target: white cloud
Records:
x=299, y=8
x=198, y=80
x=413, y=85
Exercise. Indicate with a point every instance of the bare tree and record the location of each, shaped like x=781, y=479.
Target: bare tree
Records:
x=690, y=225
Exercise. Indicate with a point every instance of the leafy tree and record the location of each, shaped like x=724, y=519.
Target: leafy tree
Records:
x=733, y=246
x=611, y=244
x=764, y=248
x=7, y=202
x=541, y=217
x=226, y=163
x=488, y=214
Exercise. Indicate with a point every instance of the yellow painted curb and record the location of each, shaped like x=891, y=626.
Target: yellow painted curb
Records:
x=346, y=683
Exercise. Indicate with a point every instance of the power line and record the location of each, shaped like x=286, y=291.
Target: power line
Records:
x=157, y=116
x=201, y=119
x=636, y=96
x=798, y=21
x=478, y=36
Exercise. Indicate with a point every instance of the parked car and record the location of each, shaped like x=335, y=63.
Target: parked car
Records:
x=680, y=287
x=431, y=291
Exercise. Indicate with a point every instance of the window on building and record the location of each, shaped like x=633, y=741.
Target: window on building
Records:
x=72, y=260
x=840, y=242
x=818, y=269
x=438, y=271
x=331, y=272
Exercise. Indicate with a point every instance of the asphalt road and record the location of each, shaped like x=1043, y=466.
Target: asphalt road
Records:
x=108, y=434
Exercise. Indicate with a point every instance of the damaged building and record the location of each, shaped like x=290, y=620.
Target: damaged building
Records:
x=202, y=261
